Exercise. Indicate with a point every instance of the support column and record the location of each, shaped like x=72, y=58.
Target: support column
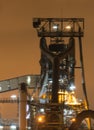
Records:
x=55, y=84
x=22, y=106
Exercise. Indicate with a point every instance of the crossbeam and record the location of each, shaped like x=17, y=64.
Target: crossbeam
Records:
x=59, y=27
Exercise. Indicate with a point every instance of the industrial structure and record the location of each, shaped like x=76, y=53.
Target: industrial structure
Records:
x=50, y=98
x=14, y=97
x=57, y=106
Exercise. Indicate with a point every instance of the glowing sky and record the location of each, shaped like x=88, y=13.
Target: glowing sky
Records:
x=19, y=44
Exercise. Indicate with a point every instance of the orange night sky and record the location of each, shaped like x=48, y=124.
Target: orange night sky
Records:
x=19, y=44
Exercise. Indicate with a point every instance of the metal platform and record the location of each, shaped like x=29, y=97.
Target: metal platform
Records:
x=59, y=27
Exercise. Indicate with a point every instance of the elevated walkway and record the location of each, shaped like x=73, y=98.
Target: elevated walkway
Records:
x=14, y=83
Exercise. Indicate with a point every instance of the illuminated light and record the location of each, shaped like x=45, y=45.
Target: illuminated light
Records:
x=50, y=81
x=13, y=96
x=1, y=127
x=70, y=112
x=65, y=112
x=28, y=80
x=29, y=128
x=13, y=127
x=41, y=119
x=61, y=80
x=62, y=92
x=63, y=96
x=68, y=27
x=0, y=88
x=73, y=119
x=27, y=107
x=72, y=87
x=28, y=116
x=28, y=113
x=72, y=101
x=42, y=110
x=55, y=26
x=72, y=92
x=44, y=96
x=32, y=98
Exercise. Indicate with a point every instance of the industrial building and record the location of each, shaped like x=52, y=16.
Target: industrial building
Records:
x=49, y=100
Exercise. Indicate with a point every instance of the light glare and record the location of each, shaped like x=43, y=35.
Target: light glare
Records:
x=68, y=27
x=13, y=96
x=28, y=80
x=41, y=118
x=13, y=127
x=1, y=127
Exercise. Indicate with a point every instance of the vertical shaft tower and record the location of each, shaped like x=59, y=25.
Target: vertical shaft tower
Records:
x=58, y=29
x=58, y=37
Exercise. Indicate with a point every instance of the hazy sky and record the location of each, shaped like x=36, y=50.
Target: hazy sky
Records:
x=19, y=44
